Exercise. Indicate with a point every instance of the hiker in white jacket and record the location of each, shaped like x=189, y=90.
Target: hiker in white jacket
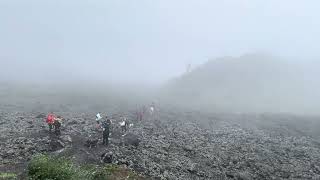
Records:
x=98, y=119
x=123, y=124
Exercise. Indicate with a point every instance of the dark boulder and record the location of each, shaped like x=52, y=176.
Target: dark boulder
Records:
x=91, y=143
x=131, y=140
x=107, y=157
x=55, y=145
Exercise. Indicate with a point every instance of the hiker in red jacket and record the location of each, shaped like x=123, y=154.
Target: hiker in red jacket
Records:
x=50, y=120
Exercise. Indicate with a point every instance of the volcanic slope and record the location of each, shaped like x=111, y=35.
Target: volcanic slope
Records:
x=173, y=144
x=249, y=83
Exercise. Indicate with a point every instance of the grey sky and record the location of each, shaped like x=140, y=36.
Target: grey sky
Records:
x=148, y=39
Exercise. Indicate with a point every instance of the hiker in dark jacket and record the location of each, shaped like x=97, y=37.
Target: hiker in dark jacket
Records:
x=106, y=130
x=57, y=125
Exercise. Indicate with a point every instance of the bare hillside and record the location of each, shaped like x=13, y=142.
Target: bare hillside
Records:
x=250, y=83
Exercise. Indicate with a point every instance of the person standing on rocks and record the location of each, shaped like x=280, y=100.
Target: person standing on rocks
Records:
x=105, y=125
x=50, y=121
x=57, y=124
x=152, y=108
x=98, y=118
x=123, y=124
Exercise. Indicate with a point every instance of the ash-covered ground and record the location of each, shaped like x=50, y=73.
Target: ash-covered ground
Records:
x=174, y=143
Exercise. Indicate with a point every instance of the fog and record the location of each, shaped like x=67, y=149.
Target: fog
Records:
x=250, y=83
x=150, y=43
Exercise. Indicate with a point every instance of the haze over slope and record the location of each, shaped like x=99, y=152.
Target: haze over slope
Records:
x=145, y=41
x=250, y=83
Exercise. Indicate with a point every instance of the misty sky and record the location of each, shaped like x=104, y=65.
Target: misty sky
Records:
x=147, y=40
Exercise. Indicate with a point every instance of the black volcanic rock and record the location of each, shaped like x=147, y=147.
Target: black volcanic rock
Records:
x=177, y=144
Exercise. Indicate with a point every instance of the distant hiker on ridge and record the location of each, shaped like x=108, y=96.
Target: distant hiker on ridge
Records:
x=50, y=121
x=123, y=124
x=98, y=118
x=57, y=124
x=152, y=108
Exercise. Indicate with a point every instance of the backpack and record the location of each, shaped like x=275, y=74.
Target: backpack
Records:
x=50, y=119
x=105, y=125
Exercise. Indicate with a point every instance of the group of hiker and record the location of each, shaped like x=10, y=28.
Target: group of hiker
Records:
x=54, y=123
x=103, y=123
x=142, y=111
